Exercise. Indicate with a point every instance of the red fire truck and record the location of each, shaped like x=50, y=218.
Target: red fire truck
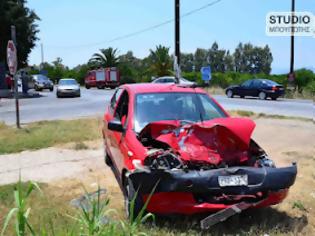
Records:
x=102, y=78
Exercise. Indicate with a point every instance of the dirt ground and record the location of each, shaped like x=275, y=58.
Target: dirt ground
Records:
x=68, y=170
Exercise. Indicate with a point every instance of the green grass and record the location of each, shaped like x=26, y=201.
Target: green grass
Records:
x=51, y=214
x=48, y=133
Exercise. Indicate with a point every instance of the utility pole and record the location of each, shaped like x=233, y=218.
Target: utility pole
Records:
x=16, y=91
x=291, y=75
x=177, y=40
x=42, y=55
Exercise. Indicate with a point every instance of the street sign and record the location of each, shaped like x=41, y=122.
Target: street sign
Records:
x=11, y=57
x=205, y=73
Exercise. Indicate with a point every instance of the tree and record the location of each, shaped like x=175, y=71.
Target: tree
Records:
x=228, y=62
x=254, y=60
x=106, y=58
x=200, y=58
x=216, y=58
x=14, y=12
x=160, y=60
x=187, y=62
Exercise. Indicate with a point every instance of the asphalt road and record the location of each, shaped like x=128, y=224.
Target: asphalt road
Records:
x=93, y=102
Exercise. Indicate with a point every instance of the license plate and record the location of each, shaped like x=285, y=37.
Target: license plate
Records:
x=233, y=180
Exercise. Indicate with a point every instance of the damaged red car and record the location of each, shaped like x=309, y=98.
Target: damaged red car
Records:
x=181, y=144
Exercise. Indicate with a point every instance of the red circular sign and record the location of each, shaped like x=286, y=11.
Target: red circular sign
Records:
x=11, y=57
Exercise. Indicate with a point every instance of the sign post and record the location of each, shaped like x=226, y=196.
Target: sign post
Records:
x=12, y=64
x=206, y=74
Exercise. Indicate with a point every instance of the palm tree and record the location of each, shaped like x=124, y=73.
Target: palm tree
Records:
x=106, y=58
x=161, y=62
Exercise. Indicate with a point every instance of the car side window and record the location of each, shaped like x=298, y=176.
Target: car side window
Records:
x=247, y=84
x=115, y=99
x=121, y=112
x=256, y=84
x=170, y=80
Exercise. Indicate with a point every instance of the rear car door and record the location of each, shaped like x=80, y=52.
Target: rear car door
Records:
x=255, y=88
x=245, y=88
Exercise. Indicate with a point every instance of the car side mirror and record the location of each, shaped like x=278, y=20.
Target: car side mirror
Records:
x=115, y=125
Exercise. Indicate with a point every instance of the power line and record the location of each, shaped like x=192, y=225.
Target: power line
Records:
x=143, y=30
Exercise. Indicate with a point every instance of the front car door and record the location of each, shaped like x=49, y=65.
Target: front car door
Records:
x=115, y=140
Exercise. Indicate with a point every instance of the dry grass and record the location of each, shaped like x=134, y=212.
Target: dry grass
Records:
x=48, y=133
x=286, y=140
x=254, y=115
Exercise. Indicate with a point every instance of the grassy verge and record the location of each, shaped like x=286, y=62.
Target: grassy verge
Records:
x=251, y=114
x=51, y=214
x=48, y=133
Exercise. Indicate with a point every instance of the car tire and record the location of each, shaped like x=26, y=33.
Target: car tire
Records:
x=130, y=195
x=108, y=160
x=87, y=86
x=229, y=93
x=262, y=96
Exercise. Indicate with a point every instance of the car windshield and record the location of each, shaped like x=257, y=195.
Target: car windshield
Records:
x=67, y=82
x=191, y=107
x=41, y=78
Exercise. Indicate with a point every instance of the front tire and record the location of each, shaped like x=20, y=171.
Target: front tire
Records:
x=262, y=96
x=108, y=161
x=132, y=197
x=229, y=93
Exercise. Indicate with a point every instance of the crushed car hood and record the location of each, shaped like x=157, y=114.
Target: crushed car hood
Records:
x=221, y=141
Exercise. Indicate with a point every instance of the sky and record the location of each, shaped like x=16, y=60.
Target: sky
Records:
x=75, y=29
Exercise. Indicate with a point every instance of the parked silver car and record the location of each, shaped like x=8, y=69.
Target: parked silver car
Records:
x=68, y=88
x=171, y=80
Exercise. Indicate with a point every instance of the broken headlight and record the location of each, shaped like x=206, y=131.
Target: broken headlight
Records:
x=163, y=161
x=266, y=162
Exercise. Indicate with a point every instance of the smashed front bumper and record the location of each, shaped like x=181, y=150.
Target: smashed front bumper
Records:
x=191, y=191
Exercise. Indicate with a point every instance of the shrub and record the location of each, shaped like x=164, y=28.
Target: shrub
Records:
x=302, y=78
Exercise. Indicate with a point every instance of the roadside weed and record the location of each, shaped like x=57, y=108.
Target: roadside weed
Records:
x=21, y=211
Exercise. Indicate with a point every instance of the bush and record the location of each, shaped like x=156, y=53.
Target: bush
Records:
x=303, y=77
x=311, y=87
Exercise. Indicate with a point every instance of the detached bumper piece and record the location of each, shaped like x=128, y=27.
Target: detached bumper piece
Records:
x=225, y=214
x=266, y=179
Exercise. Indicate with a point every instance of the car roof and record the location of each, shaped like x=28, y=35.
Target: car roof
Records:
x=159, y=88
x=67, y=79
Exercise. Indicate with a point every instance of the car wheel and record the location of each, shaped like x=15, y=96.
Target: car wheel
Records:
x=87, y=87
x=230, y=94
x=262, y=95
x=108, y=161
x=132, y=197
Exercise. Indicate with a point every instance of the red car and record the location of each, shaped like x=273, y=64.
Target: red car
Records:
x=181, y=145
